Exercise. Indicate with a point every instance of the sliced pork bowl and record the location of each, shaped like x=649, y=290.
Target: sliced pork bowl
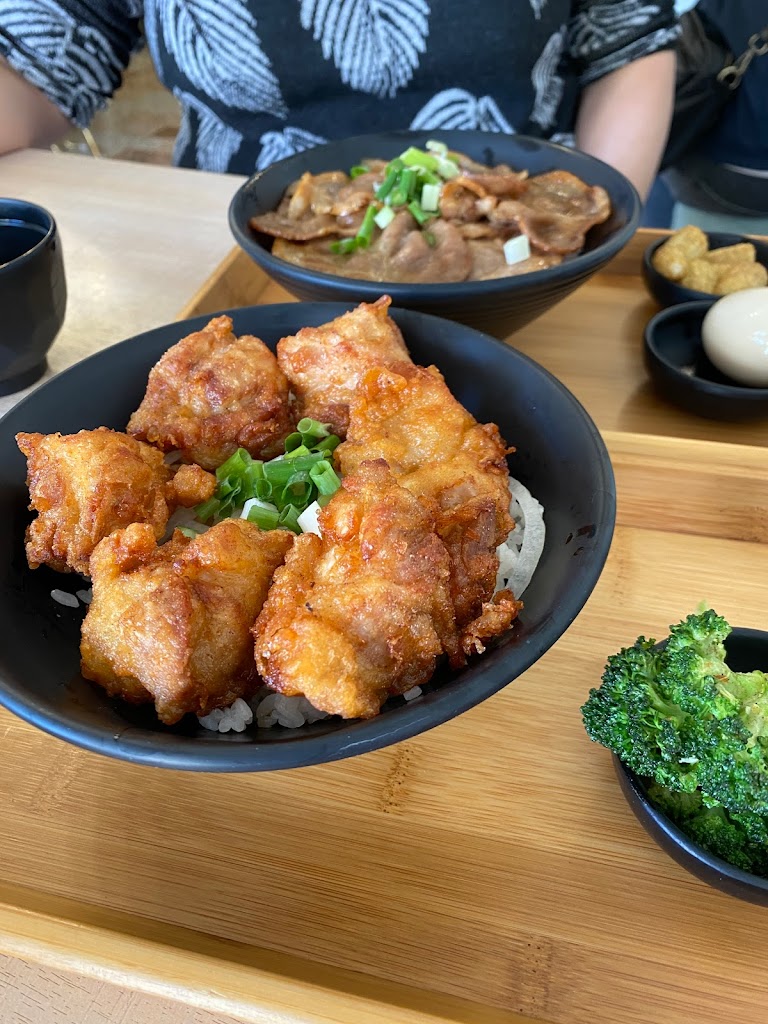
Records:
x=486, y=229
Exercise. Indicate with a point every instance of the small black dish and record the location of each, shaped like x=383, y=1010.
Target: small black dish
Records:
x=747, y=650
x=678, y=366
x=671, y=293
x=497, y=307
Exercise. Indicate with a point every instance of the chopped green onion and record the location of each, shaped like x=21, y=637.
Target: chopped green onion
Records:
x=430, y=198
x=406, y=186
x=281, y=471
x=327, y=445
x=289, y=518
x=357, y=170
x=429, y=238
x=188, y=532
x=235, y=464
x=208, y=509
x=265, y=518
x=419, y=215
x=428, y=178
x=293, y=441
x=299, y=491
x=390, y=180
x=344, y=246
x=312, y=428
x=297, y=453
x=413, y=157
x=447, y=168
x=365, y=234
x=324, y=478
x=434, y=146
x=384, y=217
x=263, y=490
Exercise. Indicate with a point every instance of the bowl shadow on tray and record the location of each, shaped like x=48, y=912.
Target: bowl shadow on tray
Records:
x=672, y=293
x=560, y=457
x=497, y=307
x=682, y=373
x=747, y=650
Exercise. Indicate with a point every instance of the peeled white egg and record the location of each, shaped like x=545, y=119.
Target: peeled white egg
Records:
x=735, y=336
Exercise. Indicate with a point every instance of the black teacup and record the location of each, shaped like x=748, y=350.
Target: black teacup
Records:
x=33, y=292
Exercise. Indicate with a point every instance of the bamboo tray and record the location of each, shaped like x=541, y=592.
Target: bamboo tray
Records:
x=487, y=872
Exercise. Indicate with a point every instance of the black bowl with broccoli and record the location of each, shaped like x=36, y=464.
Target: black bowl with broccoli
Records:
x=687, y=722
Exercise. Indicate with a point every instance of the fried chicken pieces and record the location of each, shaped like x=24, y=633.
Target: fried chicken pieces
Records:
x=324, y=364
x=212, y=393
x=403, y=574
x=365, y=611
x=86, y=485
x=406, y=415
x=171, y=624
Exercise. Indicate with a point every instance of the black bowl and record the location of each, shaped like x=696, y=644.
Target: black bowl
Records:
x=498, y=307
x=747, y=650
x=560, y=457
x=680, y=369
x=670, y=293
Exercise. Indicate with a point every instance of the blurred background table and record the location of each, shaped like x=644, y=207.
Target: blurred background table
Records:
x=138, y=240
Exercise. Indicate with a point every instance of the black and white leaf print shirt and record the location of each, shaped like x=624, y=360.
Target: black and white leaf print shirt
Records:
x=260, y=79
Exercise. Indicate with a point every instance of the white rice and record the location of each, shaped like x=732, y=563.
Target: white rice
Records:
x=62, y=597
x=518, y=557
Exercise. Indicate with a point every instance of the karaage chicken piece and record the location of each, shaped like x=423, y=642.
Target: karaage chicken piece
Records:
x=406, y=415
x=212, y=393
x=365, y=611
x=86, y=485
x=324, y=364
x=171, y=624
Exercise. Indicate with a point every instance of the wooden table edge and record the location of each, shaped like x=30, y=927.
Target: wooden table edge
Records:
x=251, y=983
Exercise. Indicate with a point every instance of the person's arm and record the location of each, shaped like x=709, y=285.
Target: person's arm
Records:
x=27, y=116
x=624, y=116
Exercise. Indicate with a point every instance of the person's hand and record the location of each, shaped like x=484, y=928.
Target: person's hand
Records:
x=27, y=116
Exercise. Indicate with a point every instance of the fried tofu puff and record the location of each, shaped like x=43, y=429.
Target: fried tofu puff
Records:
x=437, y=450
x=86, y=485
x=171, y=624
x=324, y=364
x=365, y=611
x=212, y=393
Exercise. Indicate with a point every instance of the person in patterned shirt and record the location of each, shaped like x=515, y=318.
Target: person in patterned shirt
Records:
x=259, y=80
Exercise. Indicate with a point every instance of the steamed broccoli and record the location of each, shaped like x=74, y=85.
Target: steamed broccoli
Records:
x=714, y=828
x=677, y=714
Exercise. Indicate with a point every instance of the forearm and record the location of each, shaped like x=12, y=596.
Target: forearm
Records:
x=624, y=117
x=27, y=117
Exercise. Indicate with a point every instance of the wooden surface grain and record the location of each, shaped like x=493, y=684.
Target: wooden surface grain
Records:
x=487, y=872
x=138, y=240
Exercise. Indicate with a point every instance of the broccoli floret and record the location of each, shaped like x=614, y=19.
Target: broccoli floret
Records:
x=715, y=829
x=677, y=714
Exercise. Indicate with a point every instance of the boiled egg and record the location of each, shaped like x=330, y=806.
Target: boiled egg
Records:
x=735, y=336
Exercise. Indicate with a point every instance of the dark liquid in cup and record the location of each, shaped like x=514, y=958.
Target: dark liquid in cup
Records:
x=18, y=237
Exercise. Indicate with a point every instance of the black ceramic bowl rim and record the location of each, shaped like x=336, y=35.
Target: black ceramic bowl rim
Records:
x=141, y=747
x=400, y=291
x=712, y=388
x=692, y=294
x=23, y=207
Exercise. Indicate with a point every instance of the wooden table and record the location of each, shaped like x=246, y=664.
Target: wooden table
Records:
x=488, y=871
x=138, y=240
